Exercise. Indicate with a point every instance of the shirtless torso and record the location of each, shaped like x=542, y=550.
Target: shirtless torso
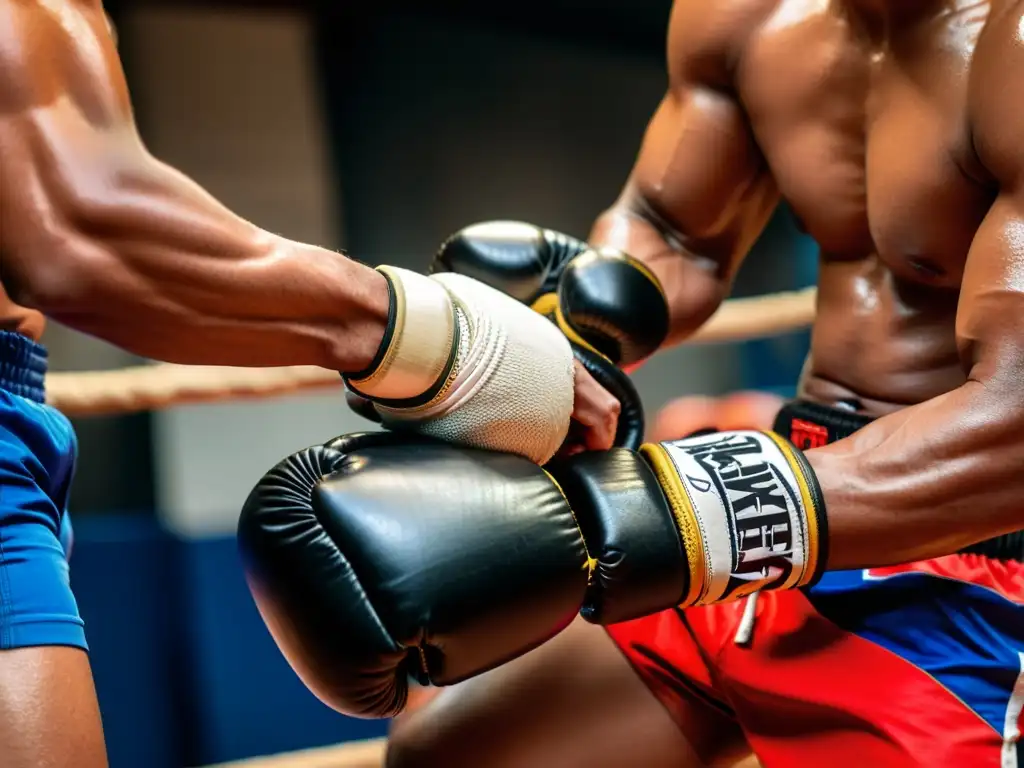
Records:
x=862, y=118
x=871, y=144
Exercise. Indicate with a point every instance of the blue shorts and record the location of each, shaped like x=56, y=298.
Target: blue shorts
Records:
x=38, y=449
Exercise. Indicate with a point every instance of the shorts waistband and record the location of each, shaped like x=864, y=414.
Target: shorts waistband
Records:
x=811, y=425
x=23, y=365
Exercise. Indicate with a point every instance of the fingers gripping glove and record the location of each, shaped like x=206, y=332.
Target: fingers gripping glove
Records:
x=464, y=363
x=742, y=510
x=602, y=299
x=381, y=556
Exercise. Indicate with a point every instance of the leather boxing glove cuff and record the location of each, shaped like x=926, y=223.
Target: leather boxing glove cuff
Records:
x=419, y=347
x=512, y=385
x=637, y=558
x=749, y=511
x=468, y=364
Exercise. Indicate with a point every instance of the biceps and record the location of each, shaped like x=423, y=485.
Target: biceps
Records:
x=990, y=318
x=700, y=171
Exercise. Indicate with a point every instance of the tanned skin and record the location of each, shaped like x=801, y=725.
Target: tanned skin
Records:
x=895, y=131
x=97, y=233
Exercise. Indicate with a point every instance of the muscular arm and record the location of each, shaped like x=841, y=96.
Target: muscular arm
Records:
x=931, y=479
x=699, y=194
x=100, y=235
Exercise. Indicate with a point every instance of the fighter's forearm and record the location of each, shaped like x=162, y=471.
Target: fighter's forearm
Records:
x=156, y=265
x=925, y=481
x=694, y=286
x=97, y=233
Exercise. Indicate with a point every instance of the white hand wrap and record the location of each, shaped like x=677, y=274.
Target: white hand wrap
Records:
x=749, y=512
x=419, y=350
x=470, y=365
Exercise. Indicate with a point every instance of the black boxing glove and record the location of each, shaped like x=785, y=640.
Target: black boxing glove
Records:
x=376, y=557
x=381, y=556
x=601, y=298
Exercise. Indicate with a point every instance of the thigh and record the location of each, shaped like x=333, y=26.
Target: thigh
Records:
x=37, y=606
x=574, y=702
x=49, y=717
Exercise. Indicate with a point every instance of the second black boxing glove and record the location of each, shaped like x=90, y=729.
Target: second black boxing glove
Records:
x=601, y=298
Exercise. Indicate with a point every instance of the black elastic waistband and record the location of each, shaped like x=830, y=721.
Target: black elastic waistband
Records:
x=22, y=366
x=811, y=425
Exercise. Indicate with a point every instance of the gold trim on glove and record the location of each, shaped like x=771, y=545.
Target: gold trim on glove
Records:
x=548, y=305
x=686, y=518
x=813, y=534
x=750, y=500
x=591, y=561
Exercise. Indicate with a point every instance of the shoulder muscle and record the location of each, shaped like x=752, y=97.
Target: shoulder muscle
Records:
x=996, y=95
x=706, y=39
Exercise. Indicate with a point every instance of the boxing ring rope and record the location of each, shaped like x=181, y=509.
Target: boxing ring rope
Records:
x=359, y=754
x=152, y=387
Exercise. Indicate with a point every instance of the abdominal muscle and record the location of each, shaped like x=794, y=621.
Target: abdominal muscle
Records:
x=880, y=342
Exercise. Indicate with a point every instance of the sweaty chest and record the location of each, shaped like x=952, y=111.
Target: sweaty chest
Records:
x=871, y=149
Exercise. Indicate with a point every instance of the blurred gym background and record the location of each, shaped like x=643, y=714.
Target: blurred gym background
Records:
x=379, y=131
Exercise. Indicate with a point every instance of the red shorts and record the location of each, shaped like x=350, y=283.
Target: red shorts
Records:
x=918, y=665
